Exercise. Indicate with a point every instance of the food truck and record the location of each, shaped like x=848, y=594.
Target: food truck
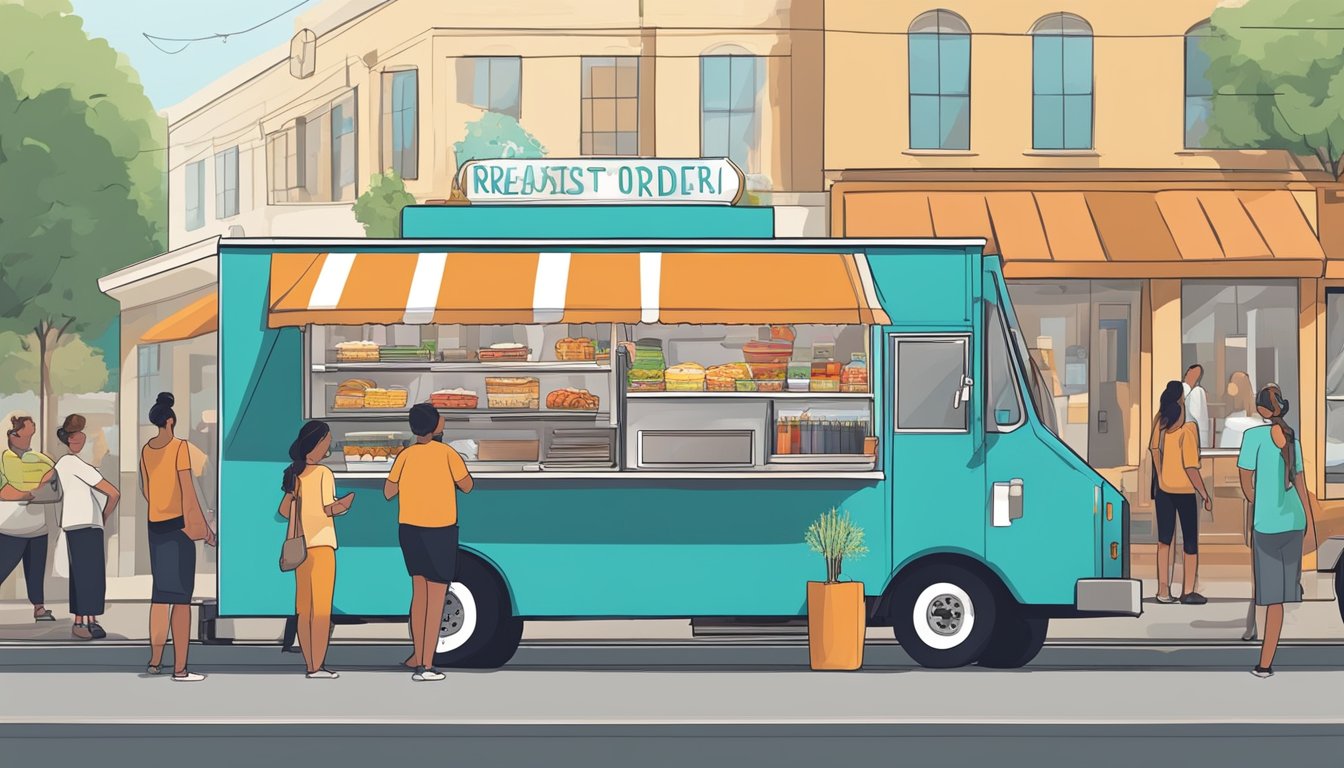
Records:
x=655, y=401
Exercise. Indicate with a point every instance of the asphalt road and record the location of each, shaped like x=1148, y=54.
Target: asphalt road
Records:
x=706, y=703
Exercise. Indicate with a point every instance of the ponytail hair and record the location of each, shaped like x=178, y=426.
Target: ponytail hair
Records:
x=1272, y=400
x=1169, y=406
x=309, y=436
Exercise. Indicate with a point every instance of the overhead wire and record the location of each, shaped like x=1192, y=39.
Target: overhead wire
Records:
x=221, y=36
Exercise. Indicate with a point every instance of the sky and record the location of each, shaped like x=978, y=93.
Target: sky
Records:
x=170, y=78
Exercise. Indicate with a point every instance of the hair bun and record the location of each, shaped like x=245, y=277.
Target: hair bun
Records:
x=165, y=398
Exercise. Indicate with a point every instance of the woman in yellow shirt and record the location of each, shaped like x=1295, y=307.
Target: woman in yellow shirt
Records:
x=23, y=525
x=310, y=489
x=1175, y=451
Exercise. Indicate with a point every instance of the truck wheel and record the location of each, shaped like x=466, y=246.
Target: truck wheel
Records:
x=501, y=647
x=1015, y=642
x=475, y=612
x=943, y=616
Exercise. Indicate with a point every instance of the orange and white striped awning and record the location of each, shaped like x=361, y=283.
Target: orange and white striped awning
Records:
x=488, y=288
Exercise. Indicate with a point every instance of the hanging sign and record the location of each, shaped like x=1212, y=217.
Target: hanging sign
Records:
x=603, y=181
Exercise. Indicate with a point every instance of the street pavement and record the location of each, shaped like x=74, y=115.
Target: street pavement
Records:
x=715, y=702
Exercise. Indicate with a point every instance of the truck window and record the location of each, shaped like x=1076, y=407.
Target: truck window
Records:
x=1004, y=403
x=929, y=376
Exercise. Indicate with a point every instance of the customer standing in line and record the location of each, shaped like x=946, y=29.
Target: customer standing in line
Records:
x=165, y=482
x=425, y=479
x=1197, y=404
x=87, y=503
x=23, y=523
x=1179, y=489
x=310, y=492
x=1270, y=465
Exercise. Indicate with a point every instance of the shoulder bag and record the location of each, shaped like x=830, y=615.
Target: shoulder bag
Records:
x=295, y=549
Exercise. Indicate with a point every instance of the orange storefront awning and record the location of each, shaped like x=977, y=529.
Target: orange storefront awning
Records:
x=1177, y=233
x=196, y=319
x=480, y=288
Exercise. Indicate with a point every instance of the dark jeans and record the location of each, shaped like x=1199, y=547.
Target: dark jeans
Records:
x=88, y=571
x=33, y=554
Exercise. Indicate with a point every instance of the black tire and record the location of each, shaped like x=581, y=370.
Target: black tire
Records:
x=493, y=613
x=1339, y=590
x=964, y=608
x=1015, y=642
x=501, y=648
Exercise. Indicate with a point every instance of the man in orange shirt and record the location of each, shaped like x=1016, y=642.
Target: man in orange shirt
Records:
x=425, y=479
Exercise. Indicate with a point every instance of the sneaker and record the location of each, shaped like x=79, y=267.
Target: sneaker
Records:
x=187, y=677
x=423, y=675
x=97, y=630
x=1166, y=599
x=322, y=674
x=43, y=615
x=1193, y=598
x=1262, y=672
x=81, y=632
x=154, y=670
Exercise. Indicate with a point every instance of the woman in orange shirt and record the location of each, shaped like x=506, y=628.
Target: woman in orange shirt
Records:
x=1179, y=492
x=310, y=488
x=165, y=482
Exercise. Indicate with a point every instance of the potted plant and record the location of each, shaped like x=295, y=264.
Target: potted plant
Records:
x=835, y=610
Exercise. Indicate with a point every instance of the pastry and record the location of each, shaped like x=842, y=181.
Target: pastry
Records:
x=581, y=348
x=571, y=399
x=356, y=351
x=350, y=393
x=454, y=398
x=724, y=378
x=685, y=377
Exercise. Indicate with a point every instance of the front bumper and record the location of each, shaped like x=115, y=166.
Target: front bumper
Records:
x=1109, y=597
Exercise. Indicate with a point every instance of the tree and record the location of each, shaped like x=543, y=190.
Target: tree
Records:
x=76, y=367
x=496, y=135
x=379, y=208
x=67, y=215
x=1278, y=78
x=46, y=48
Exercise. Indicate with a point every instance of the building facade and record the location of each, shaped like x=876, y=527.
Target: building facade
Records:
x=1072, y=141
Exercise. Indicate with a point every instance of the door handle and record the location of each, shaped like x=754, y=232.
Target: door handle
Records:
x=963, y=393
x=1007, y=503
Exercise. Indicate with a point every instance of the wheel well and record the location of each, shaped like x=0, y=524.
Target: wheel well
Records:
x=882, y=608
x=494, y=568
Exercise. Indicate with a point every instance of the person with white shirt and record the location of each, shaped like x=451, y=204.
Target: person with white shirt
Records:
x=88, y=502
x=1197, y=404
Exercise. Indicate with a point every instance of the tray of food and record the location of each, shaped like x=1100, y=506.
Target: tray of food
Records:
x=685, y=377
x=385, y=398
x=350, y=394
x=421, y=354
x=372, y=450
x=571, y=399
x=357, y=352
x=724, y=378
x=504, y=352
x=457, y=398
x=513, y=392
x=579, y=349
x=774, y=351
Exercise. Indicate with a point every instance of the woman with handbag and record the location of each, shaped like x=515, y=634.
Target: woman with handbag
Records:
x=1272, y=479
x=310, y=504
x=176, y=523
x=23, y=520
x=1178, y=489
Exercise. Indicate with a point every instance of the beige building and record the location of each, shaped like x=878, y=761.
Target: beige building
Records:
x=1072, y=138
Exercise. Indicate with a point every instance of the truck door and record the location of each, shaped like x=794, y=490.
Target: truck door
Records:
x=935, y=470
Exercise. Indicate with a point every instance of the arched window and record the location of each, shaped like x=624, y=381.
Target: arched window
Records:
x=940, y=81
x=731, y=81
x=1198, y=89
x=1061, y=83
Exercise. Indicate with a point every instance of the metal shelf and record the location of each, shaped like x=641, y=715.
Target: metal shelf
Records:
x=477, y=367
x=369, y=414
x=750, y=395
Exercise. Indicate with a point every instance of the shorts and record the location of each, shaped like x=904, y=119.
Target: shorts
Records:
x=1183, y=505
x=1277, y=562
x=172, y=563
x=430, y=552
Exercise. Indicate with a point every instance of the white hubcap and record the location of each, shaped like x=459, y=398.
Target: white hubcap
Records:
x=943, y=616
x=459, y=618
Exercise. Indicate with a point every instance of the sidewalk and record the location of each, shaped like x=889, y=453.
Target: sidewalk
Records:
x=1222, y=620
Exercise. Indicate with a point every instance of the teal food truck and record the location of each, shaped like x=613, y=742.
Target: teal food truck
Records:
x=655, y=401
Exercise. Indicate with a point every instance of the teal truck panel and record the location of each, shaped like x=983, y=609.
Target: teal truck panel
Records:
x=586, y=221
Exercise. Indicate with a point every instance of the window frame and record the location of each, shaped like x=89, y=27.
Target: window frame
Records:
x=490, y=62
x=226, y=207
x=1201, y=30
x=587, y=104
x=388, y=120
x=1335, y=293
x=335, y=156
x=753, y=143
x=992, y=425
x=1038, y=32
x=939, y=95
x=894, y=341
x=194, y=187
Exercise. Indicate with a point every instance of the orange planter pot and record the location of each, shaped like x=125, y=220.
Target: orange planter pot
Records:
x=835, y=624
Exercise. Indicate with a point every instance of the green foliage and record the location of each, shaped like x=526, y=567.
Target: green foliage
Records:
x=379, y=208
x=496, y=135
x=834, y=536
x=76, y=368
x=45, y=48
x=1278, y=77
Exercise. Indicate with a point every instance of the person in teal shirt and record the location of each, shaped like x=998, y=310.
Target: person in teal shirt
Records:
x=1272, y=480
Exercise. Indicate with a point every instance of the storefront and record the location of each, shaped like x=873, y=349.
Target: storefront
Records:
x=1123, y=283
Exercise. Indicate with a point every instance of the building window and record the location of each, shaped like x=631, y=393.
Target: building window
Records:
x=195, y=197
x=1334, y=393
x=312, y=159
x=609, y=106
x=1198, y=89
x=492, y=83
x=1245, y=336
x=940, y=82
x=147, y=376
x=729, y=108
x=401, y=133
x=226, y=183
x=1061, y=83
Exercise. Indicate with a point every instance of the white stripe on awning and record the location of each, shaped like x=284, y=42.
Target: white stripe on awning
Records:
x=423, y=298
x=650, y=285
x=550, y=288
x=331, y=281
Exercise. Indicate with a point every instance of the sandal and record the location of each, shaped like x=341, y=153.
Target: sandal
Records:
x=43, y=615
x=154, y=670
